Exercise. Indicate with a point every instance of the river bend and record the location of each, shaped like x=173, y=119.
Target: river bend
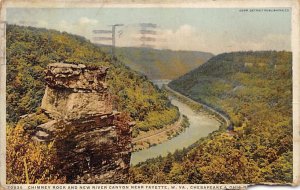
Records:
x=201, y=124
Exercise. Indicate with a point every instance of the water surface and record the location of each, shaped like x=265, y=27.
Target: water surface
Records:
x=201, y=125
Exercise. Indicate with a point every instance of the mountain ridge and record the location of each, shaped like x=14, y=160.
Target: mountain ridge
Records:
x=159, y=63
x=255, y=90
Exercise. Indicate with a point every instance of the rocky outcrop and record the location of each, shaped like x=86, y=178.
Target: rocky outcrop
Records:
x=75, y=91
x=94, y=141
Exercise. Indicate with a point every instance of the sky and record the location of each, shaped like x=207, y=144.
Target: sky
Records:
x=197, y=29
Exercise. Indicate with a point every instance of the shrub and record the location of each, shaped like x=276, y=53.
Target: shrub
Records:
x=28, y=161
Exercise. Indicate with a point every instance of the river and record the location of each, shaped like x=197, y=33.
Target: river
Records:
x=201, y=125
x=161, y=82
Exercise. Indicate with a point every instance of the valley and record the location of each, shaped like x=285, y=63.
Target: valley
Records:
x=229, y=115
x=253, y=90
x=200, y=125
x=158, y=64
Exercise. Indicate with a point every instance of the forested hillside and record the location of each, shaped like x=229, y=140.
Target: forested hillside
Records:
x=160, y=64
x=255, y=90
x=29, y=50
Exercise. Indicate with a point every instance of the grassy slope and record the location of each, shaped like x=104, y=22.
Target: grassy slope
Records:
x=160, y=64
x=29, y=50
x=255, y=90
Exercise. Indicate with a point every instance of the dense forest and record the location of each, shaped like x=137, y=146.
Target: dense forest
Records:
x=159, y=64
x=29, y=51
x=255, y=90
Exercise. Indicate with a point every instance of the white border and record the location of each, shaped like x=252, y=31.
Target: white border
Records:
x=294, y=4
x=151, y=3
x=296, y=93
x=3, y=109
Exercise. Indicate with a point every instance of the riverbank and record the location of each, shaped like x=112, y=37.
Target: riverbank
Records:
x=199, y=107
x=201, y=125
x=155, y=137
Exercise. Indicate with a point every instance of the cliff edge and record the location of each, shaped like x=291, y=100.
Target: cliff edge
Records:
x=94, y=141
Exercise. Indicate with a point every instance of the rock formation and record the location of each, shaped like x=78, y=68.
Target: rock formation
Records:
x=94, y=141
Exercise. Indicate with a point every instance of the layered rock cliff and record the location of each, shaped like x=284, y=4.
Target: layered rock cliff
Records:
x=94, y=141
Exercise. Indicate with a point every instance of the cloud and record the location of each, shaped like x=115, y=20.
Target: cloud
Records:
x=278, y=41
x=63, y=25
x=42, y=23
x=82, y=26
x=185, y=37
x=87, y=21
x=36, y=23
x=267, y=42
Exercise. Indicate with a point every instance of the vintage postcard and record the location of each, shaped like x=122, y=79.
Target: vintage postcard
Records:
x=149, y=95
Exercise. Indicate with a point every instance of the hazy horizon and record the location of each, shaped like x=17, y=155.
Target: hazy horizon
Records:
x=188, y=29
x=105, y=45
